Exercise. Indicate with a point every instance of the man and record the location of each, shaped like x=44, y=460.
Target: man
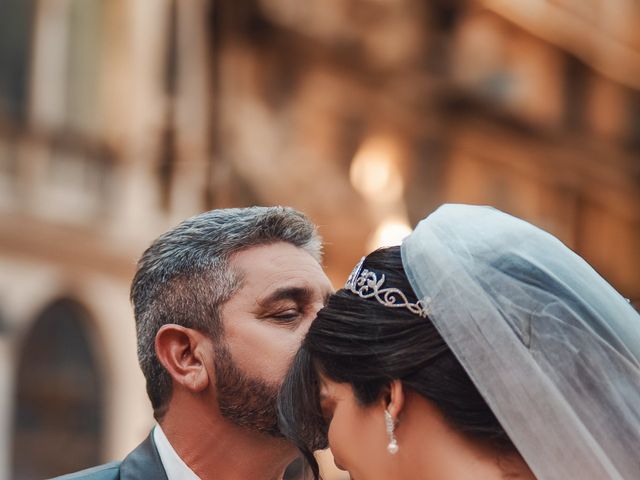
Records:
x=221, y=304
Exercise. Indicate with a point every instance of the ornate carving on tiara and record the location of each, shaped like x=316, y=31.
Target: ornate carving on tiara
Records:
x=366, y=284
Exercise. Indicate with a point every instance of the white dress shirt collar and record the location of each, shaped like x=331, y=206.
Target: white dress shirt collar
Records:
x=173, y=465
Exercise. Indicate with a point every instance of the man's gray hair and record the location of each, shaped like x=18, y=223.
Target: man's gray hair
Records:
x=183, y=277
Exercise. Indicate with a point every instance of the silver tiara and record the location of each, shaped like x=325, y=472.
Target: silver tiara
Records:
x=365, y=284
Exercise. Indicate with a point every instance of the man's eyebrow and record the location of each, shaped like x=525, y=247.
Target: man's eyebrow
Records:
x=297, y=294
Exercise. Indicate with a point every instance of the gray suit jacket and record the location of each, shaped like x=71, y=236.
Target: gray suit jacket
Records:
x=142, y=464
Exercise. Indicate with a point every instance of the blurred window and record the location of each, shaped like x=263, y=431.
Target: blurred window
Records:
x=58, y=418
x=167, y=160
x=67, y=60
x=576, y=78
x=16, y=17
x=509, y=69
x=83, y=66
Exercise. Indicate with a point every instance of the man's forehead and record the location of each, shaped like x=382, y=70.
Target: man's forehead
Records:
x=278, y=266
x=274, y=259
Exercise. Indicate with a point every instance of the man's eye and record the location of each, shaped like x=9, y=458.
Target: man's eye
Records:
x=288, y=315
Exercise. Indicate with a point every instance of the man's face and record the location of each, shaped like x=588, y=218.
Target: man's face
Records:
x=264, y=322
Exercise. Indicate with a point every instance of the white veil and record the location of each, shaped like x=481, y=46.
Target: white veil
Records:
x=551, y=346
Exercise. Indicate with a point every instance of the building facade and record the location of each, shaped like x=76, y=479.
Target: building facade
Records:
x=118, y=119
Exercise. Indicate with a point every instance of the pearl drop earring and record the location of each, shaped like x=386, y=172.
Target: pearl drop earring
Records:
x=392, y=447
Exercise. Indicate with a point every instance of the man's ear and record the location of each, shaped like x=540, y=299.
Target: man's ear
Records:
x=394, y=399
x=183, y=353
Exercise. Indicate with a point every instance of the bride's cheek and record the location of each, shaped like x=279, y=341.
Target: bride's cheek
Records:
x=331, y=435
x=335, y=444
x=336, y=434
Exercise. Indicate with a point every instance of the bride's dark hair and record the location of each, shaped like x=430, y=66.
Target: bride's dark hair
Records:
x=367, y=345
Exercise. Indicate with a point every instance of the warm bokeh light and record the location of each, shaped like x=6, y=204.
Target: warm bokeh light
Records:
x=390, y=232
x=374, y=170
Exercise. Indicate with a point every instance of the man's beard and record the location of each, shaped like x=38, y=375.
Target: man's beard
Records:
x=246, y=401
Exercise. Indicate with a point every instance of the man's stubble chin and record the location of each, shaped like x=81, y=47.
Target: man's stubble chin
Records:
x=247, y=402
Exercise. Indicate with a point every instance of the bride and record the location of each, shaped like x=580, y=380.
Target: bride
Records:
x=482, y=348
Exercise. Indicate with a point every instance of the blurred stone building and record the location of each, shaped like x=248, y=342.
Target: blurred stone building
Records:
x=120, y=118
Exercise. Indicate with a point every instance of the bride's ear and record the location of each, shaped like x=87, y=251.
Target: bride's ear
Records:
x=394, y=399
